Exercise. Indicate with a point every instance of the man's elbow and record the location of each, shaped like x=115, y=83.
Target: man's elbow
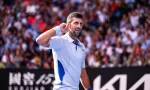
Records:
x=38, y=40
x=42, y=43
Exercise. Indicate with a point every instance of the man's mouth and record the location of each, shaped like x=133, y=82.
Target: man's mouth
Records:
x=78, y=30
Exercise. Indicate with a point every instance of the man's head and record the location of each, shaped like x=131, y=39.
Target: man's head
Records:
x=75, y=23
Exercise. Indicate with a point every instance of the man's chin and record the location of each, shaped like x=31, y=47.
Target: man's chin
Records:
x=77, y=34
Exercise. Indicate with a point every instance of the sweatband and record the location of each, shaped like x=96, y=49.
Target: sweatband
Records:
x=89, y=88
x=57, y=30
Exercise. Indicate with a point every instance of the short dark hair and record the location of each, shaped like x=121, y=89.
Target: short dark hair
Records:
x=74, y=14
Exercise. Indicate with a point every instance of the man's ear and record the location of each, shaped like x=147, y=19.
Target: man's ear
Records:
x=68, y=25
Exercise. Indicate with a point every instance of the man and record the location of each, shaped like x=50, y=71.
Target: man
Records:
x=68, y=53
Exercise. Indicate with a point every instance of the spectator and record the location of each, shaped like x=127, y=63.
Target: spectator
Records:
x=115, y=33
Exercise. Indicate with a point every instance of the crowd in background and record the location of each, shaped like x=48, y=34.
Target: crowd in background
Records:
x=116, y=33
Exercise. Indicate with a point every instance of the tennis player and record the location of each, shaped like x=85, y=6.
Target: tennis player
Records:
x=68, y=53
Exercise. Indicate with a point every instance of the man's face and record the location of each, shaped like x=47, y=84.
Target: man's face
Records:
x=75, y=26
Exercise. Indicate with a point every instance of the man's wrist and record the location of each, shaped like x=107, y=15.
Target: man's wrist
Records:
x=57, y=30
x=89, y=88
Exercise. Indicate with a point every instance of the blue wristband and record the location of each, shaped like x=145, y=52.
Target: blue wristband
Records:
x=89, y=88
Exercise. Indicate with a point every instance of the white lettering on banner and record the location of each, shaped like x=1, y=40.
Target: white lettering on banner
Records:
x=36, y=88
x=29, y=81
x=16, y=88
x=42, y=88
x=97, y=83
x=31, y=88
x=9, y=88
x=14, y=78
x=28, y=78
x=21, y=88
x=40, y=79
x=27, y=88
x=123, y=83
x=109, y=85
x=145, y=79
x=45, y=80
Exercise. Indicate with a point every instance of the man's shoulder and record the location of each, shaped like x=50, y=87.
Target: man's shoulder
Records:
x=82, y=46
x=81, y=43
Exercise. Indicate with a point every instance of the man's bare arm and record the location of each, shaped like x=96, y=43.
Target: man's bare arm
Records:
x=44, y=38
x=84, y=79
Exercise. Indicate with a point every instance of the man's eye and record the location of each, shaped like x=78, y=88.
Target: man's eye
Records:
x=81, y=23
x=76, y=22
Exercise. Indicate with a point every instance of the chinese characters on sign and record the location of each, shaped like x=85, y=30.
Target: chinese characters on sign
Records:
x=29, y=81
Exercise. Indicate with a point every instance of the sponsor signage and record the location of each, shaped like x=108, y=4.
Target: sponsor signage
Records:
x=26, y=79
x=133, y=78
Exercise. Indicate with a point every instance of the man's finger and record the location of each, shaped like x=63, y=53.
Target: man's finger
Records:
x=66, y=25
x=66, y=28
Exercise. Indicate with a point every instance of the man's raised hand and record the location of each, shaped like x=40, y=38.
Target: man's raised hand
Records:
x=64, y=27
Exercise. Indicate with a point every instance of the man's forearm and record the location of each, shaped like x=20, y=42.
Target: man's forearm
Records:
x=85, y=83
x=85, y=80
x=43, y=39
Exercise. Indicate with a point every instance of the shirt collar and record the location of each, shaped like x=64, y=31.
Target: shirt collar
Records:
x=70, y=39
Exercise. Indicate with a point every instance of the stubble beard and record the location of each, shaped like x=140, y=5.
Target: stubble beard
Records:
x=77, y=34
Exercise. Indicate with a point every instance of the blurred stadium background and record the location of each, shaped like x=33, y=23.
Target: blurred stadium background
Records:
x=116, y=34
